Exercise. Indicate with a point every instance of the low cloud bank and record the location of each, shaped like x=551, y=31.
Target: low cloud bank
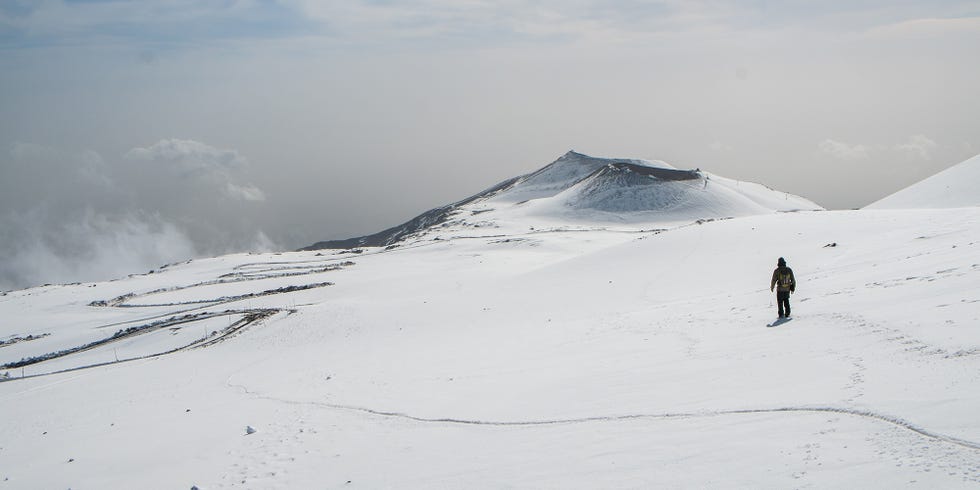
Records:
x=76, y=216
x=917, y=148
x=39, y=248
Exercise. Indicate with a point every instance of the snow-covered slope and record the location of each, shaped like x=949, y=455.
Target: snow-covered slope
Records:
x=581, y=189
x=568, y=171
x=954, y=187
x=576, y=357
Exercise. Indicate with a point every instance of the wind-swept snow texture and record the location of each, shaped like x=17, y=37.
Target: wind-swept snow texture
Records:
x=579, y=187
x=954, y=187
x=487, y=353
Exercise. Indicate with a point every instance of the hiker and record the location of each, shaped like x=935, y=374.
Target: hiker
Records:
x=782, y=278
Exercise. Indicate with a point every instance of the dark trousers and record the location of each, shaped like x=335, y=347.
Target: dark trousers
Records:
x=782, y=298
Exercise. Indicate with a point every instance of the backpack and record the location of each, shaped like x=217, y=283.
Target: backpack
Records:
x=784, y=277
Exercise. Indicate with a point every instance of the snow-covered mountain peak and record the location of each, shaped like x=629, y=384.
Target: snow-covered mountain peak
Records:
x=628, y=188
x=552, y=178
x=589, y=191
x=568, y=170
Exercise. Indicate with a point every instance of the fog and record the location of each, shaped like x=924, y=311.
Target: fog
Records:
x=69, y=217
x=139, y=133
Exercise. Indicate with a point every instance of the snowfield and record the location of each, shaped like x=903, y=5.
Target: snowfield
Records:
x=954, y=187
x=546, y=343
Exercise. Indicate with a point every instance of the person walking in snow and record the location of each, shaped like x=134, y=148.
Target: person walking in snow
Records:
x=784, y=283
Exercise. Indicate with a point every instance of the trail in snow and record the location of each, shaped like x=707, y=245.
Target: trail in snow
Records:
x=251, y=317
x=176, y=319
x=866, y=414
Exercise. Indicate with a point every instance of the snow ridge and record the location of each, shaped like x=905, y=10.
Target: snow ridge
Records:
x=954, y=187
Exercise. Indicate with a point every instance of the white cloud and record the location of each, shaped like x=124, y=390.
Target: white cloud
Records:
x=45, y=247
x=484, y=20
x=74, y=216
x=844, y=151
x=927, y=28
x=247, y=192
x=262, y=243
x=919, y=145
x=189, y=157
x=199, y=165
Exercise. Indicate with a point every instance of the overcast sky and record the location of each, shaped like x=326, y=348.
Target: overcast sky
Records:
x=137, y=133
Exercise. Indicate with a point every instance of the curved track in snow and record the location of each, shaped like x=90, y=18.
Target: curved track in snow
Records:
x=865, y=414
x=178, y=319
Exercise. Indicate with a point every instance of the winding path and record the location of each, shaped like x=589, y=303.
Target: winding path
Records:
x=866, y=414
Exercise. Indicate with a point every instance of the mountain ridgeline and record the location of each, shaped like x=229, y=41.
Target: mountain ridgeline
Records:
x=419, y=223
x=605, y=189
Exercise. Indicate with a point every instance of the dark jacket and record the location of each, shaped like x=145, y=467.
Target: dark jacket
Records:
x=784, y=279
